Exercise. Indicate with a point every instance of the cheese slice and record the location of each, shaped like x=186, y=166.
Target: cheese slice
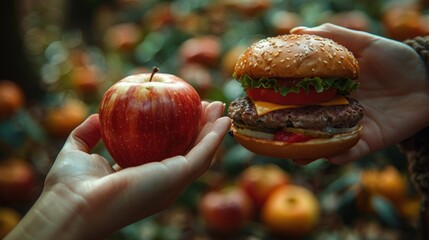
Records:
x=266, y=107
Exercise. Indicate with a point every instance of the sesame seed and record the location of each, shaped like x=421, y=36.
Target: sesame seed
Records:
x=325, y=62
x=270, y=59
x=288, y=59
x=287, y=66
x=276, y=54
x=267, y=68
x=339, y=62
x=282, y=61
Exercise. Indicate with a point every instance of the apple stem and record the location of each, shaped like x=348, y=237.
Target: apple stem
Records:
x=155, y=69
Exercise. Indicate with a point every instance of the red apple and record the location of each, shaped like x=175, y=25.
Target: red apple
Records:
x=258, y=181
x=149, y=117
x=226, y=210
x=19, y=183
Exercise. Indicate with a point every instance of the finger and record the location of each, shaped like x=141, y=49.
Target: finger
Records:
x=353, y=154
x=204, y=104
x=355, y=41
x=85, y=136
x=116, y=167
x=201, y=155
x=213, y=111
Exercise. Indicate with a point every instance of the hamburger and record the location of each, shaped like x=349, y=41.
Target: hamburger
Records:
x=297, y=102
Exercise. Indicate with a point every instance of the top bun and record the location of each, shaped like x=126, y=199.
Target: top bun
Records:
x=297, y=56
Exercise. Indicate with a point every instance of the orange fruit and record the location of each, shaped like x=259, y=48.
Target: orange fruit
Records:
x=291, y=210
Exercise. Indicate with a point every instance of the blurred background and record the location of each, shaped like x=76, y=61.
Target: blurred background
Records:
x=58, y=57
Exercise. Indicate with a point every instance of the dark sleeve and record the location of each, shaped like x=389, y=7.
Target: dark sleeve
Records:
x=417, y=147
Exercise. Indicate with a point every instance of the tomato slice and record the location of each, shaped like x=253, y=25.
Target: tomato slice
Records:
x=290, y=137
x=301, y=98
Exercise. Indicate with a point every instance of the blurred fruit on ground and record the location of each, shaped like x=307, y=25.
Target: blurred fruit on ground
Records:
x=356, y=20
x=410, y=209
x=283, y=21
x=160, y=16
x=291, y=210
x=385, y=194
x=9, y=218
x=203, y=50
x=86, y=79
x=404, y=21
x=230, y=58
x=259, y=181
x=225, y=211
x=122, y=37
x=12, y=98
x=61, y=120
x=198, y=76
x=248, y=8
x=387, y=182
x=19, y=183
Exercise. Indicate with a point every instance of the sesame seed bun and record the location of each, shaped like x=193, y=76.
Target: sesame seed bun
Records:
x=297, y=56
x=313, y=149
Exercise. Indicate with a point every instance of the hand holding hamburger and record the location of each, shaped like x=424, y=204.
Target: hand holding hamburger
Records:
x=297, y=102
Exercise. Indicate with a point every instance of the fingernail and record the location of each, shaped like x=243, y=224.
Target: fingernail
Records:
x=298, y=29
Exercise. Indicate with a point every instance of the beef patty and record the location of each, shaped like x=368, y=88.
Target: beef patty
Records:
x=243, y=113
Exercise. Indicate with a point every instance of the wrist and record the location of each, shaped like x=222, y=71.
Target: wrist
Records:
x=52, y=217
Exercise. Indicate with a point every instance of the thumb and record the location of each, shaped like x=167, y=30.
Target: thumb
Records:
x=85, y=136
x=355, y=41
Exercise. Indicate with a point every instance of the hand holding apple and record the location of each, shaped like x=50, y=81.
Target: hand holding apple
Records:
x=100, y=199
x=149, y=117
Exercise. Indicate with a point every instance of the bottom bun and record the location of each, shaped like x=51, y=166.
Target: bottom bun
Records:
x=312, y=149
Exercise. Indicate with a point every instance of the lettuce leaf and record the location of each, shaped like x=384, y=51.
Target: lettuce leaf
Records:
x=343, y=86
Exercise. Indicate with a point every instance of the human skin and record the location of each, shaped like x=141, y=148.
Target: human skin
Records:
x=84, y=197
x=394, y=89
